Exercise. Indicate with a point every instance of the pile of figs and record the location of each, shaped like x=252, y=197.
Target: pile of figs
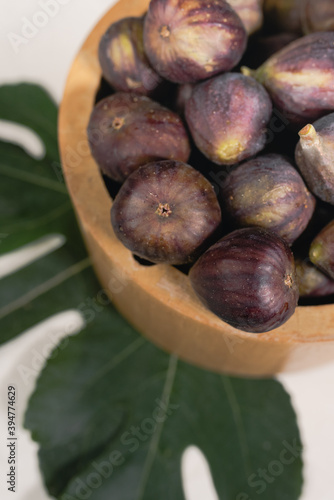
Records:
x=214, y=130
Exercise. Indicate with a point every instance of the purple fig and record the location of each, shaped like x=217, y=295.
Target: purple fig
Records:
x=311, y=281
x=300, y=77
x=123, y=60
x=315, y=157
x=283, y=15
x=126, y=131
x=268, y=192
x=317, y=15
x=250, y=13
x=191, y=40
x=166, y=211
x=322, y=250
x=248, y=279
x=227, y=117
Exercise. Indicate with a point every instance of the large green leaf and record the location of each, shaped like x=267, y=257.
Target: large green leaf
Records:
x=110, y=407
x=98, y=413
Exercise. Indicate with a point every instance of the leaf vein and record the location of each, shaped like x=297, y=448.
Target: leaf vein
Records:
x=154, y=443
x=232, y=399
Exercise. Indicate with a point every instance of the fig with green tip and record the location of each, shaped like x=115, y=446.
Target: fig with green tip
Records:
x=268, y=192
x=300, y=77
x=227, y=117
x=123, y=60
x=248, y=279
x=315, y=157
x=317, y=15
x=322, y=250
x=126, y=130
x=191, y=40
x=166, y=212
x=311, y=281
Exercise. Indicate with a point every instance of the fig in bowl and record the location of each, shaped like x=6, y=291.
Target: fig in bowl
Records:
x=123, y=60
x=227, y=116
x=187, y=41
x=166, y=212
x=126, y=131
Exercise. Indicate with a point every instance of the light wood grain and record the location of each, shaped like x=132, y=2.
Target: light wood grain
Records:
x=159, y=300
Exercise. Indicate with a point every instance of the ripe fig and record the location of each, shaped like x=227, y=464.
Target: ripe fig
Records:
x=227, y=117
x=123, y=60
x=311, y=281
x=317, y=16
x=188, y=40
x=166, y=211
x=314, y=157
x=126, y=131
x=248, y=279
x=300, y=77
x=250, y=13
x=268, y=192
x=322, y=250
x=284, y=15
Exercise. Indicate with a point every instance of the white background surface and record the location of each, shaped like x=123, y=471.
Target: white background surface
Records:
x=46, y=59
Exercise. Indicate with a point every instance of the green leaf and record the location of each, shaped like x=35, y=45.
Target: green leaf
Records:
x=111, y=409
x=109, y=406
x=34, y=204
x=31, y=106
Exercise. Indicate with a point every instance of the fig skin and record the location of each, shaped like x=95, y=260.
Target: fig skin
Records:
x=300, y=78
x=123, y=60
x=166, y=212
x=315, y=157
x=126, y=131
x=322, y=250
x=248, y=279
x=283, y=15
x=311, y=281
x=227, y=117
x=268, y=192
x=191, y=40
x=317, y=16
x=250, y=13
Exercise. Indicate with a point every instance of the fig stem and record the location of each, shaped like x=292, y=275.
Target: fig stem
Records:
x=310, y=140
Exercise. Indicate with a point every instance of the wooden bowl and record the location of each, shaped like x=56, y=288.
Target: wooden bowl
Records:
x=159, y=300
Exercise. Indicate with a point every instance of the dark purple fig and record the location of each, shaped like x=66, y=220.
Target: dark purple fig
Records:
x=322, y=250
x=167, y=212
x=283, y=15
x=126, y=131
x=317, y=15
x=190, y=40
x=300, y=77
x=268, y=192
x=315, y=157
x=123, y=60
x=250, y=13
x=311, y=281
x=227, y=117
x=248, y=279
